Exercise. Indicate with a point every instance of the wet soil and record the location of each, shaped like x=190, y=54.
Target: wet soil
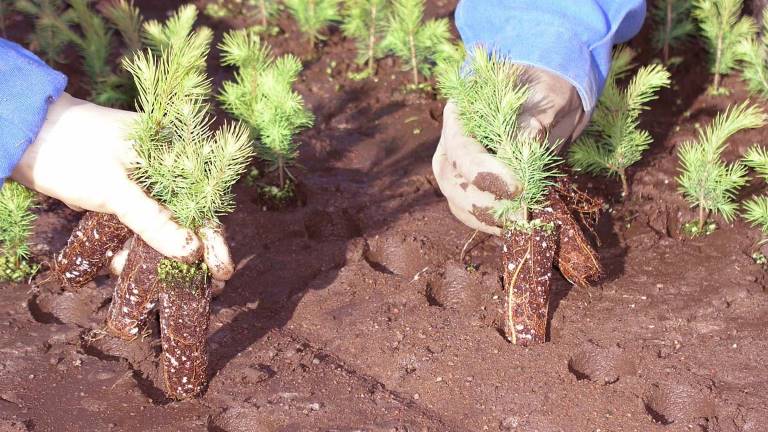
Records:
x=352, y=311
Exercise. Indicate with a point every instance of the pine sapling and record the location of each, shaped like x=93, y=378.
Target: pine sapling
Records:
x=614, y=140
x=262, y=10
x=262, y=96
x=314, y=16
x=755, y=210
x=706, y=181
x=365, y=21
x=16, y=223
x=189, y=169
x=723, y=28
x=46, y=39
x=124, y=17
x=672, y=25
x=415, y=42
x=489, y=95
x=753, y=58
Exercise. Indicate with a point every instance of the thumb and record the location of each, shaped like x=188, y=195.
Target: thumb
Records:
x=487, y=173
x=154, y=224
x=216, y=252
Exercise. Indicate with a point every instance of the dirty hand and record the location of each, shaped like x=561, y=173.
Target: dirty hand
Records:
x=472, y=179
x=81, y=156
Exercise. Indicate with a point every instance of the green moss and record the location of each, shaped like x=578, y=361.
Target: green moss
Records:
x=16, y=271
x=692, y=230
x=529, y=225
x=278, y=195
x=175, y=272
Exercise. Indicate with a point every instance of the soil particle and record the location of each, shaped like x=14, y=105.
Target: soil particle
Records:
x=490, y=182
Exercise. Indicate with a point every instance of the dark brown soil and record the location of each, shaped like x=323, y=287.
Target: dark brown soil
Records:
x=353, y=312
x=92, y=244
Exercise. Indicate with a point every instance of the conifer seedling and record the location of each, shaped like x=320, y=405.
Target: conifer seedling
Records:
x=753, y=57
x=755, y=210
x=415, y=42
x=614, y=140
x=46, y=39
x=98, y=236
x=16, y=223
x=262, y=96
x=190, y=169
x=263, y=10
x=314, y=16
x=723, y=28
x=672, y=25
x=365, y=21
x=706, y=181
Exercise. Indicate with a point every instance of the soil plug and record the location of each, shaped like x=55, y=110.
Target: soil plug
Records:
x=753, y=58
x=493, y=87
x=46, y=39
x=574, y=255
x=614, y=140
x=262, y=96
x=723, y=28
x=364, y=21
x=313, y=17
x=706, y=181
x=95, y=240
x=415, y=42
x=672, y=25
x=16, y=224
x=189, y=169
x=99, y=236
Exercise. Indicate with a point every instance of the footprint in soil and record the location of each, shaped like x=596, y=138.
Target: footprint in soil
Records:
x=320, y=224
x=458, y=288
x=238, y=420
x=78, y=308
x=397, y=254
x=668, y=403
x=602, y=365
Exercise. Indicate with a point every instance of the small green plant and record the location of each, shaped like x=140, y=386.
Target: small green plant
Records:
x=723, y=28
x=706, y=181
x=46, y=39
x=753, y=56
x=263, y=10
x=415, y=42
x=159, y=36
x=672, y=25
x=614, y=140
x=365, y=21
x=490, y=98
x=16, y=223
x=124, y=17
x=755, y=210
x=314, y=16
x=262, y=95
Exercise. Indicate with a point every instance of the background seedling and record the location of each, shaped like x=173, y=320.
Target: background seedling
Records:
x=46, y=39
x=263, y=10
x=723, y=28
x=672, y=25
x=16, y=223
x=124, y=17
x=755, y=210
x=706, y=181
x=614, y=141
x=415, y=42
x=314, y=16
x=753, y=55
x=365, y=21
x=262, y=95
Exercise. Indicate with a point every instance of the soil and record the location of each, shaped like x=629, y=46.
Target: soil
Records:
x=352, y=312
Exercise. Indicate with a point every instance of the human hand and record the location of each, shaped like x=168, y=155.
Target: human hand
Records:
x=473, y=180
x=81, y=156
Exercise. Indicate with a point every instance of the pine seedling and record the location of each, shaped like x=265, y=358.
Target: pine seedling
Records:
x=415, y=42
x=490, y=96
x=46, y=39
x=755, y=210
x=753, y=58
x=706, y=181
x=365, y=21
x=16, y=222
x=314, y=16
x=614, y=140
x=672, y=25
x=262, y=95
x=124, y=17
x=723, y=28
x=175, y=31
x=263, y=10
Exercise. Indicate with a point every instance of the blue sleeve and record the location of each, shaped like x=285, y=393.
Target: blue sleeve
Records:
x=27, y=87
x=572, y=38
